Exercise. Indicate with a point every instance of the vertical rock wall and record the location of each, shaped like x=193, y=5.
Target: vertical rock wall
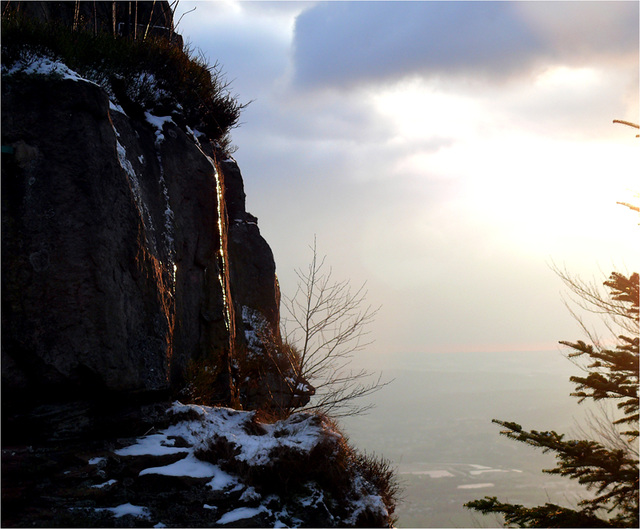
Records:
x=126, y=252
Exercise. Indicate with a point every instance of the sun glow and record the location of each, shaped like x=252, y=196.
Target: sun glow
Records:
x=564, y=76
x=540, y=194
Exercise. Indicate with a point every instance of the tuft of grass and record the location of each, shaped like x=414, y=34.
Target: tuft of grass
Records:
x=153, y=74
x=219, y=451
x=379, y=472
x=200, y=381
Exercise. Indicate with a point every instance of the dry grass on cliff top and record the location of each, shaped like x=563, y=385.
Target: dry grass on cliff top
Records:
x=144, y=75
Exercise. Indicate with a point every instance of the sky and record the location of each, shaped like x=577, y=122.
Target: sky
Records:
x=445, y=153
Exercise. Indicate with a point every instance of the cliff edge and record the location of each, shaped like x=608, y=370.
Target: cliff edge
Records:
x=140, y=304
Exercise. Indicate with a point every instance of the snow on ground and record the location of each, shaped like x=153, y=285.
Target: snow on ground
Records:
x=127, y=509
x=241, y=513
x=153, y=445
x=300, y=432
x=103, y=485
x=224, y=481
x=189, y=466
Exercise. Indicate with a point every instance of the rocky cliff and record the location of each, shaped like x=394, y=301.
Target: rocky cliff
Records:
x=133, y=278
x=127, y=251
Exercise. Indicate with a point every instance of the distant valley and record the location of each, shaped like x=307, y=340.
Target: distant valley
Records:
x=434, y=422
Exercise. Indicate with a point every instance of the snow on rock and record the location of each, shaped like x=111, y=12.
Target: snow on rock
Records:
x=134, y=184
x=366, y=501
x=154, y=445
x=256, y=325
x=250, y=494
x=241, y=513
x=224, y=481
x=158, y=123
x=300, y=432
x=32, y=64
x=127, y=509
x=105, y=484
x=189, y=466
x=229, y=469
x=116, y=108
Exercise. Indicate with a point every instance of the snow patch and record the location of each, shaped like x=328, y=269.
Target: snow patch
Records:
x=117, y=108
x=127, y=509
x=189, y=466
x=250, y=495
x=31, y=64
x=256, y=327
x=136, y=189
x=105, y=484
x=300, y=432
x=158, y=123
x=153, y=445
x=365, y=502
x=195, y=134
x=241, y=513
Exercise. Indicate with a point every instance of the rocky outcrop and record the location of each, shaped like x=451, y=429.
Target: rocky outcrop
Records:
x=127, y=255
x=132, y=275
x=200, y=467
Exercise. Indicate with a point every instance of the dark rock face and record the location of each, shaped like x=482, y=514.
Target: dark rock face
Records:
x=72, y=310
x=126, y=253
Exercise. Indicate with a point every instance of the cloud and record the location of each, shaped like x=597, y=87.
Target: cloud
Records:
x=345, y=43
x=250, y=41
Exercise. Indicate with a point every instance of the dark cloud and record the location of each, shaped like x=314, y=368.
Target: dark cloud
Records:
x=248, y=42
x=342, y=43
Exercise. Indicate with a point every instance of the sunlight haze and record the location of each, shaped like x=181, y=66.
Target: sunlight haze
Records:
x=447, y=153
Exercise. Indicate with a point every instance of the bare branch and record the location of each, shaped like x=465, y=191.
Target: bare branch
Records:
x=330, y=322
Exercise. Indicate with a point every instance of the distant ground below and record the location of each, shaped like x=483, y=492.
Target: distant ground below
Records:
x=434, y=422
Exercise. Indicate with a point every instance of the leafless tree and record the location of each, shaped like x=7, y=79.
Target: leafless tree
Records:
x=326, y=324
x=590, y=297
